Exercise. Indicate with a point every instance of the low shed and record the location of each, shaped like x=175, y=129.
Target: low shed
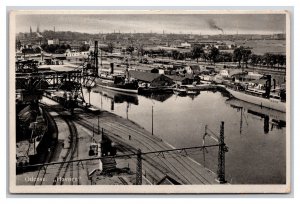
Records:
x=153, y=79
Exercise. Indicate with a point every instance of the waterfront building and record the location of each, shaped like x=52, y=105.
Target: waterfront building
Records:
x=182, y=80
x=151, y=79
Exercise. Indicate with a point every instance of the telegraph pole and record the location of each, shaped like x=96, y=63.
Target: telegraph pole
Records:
x=241, y=121
x=139, y=168
x=152, y=120
x=93, y=140
x=221, y=156
x=98, y=124
x=203, y=143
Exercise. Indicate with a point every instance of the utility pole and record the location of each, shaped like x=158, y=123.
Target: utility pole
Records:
x=152, y=120
x=96, y=57
x=203, y=143
x=127, y=106
x=93, y=140
x=90, y=95
x=139, y=169
x=241, y=121
x=221, y=157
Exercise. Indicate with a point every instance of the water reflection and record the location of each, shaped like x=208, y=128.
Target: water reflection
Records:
x=275, y=118
x=118, y=97
x=251, y=132
x=158, y=97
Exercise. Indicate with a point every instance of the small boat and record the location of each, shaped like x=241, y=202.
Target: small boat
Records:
x=190, y=89
x=180, y=91
x=192, y=92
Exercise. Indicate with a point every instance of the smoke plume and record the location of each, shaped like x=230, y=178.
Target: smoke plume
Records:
x=212, y=24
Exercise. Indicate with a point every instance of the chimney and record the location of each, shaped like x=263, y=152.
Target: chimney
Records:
x=268, y=86
x=111, y=68
x=96, y=56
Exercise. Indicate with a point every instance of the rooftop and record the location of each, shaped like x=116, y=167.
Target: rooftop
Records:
x=144, y=76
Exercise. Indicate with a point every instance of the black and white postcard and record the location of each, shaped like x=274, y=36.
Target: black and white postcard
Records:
x=109, y=101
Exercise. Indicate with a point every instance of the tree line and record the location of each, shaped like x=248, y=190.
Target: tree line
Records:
x=55, y=48
x=52, y=48
x=241, y=55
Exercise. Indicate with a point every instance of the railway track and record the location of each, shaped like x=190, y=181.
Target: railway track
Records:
x=61, y=171
x=184, y=169
x=70, y=155
x=183, y=162
x=127, y=147
x=187, y=171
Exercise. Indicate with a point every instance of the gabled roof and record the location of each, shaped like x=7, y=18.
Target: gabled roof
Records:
x=176, y=78
x=181, y=78
x=144, y=76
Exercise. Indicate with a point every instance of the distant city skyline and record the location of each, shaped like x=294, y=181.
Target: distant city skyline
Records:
x=204, y=24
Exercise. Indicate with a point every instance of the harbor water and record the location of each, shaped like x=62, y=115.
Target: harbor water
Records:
x=255, y=137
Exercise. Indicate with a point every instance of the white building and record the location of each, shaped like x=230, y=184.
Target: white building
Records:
x=53, y=41
x=185, y=45
x=224, y=73
x=73, y=53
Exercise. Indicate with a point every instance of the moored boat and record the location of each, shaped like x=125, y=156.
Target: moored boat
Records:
x=119, y=84
x=272, y=103
x=180, y=91
x=190, y=89
x=263, y=98
x=156, y=90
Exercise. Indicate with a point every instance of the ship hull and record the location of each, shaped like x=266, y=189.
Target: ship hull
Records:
x=119, y=89
x=155, y=90
x=264, y=102
x=126, y=88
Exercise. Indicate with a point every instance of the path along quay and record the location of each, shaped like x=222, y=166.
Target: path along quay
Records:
x=77, y=132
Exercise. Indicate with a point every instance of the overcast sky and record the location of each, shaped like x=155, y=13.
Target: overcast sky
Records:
x=175, y=23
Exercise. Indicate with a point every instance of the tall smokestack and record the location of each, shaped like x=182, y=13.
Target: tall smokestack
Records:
x=268, y=86
x=96, y=56
x=111, y=68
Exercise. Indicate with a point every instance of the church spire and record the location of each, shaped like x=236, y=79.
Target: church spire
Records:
x=38, y=28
